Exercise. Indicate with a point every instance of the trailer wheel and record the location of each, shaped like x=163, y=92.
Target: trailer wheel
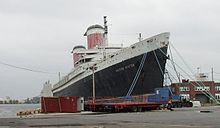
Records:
x=112, y=110
x=189, y=104
x=139, y=109
x=134, y=109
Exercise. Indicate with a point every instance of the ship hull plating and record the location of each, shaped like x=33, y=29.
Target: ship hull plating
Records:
x=117, y=79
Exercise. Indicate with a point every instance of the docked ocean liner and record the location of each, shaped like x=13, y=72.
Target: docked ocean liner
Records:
x=114, y=71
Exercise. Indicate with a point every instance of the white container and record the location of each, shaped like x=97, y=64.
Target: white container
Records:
x=196, y=103
x=80, y=104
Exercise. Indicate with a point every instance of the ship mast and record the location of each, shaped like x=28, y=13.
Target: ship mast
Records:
x=105, y=32
x=105, y=43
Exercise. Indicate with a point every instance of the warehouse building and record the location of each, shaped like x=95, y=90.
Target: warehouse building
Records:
x=197, y=90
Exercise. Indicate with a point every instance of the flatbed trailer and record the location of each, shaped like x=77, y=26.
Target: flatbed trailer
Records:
x=122, y=104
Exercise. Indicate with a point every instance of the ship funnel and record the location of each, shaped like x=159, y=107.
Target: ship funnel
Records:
x=77, y=55
x=95, y=36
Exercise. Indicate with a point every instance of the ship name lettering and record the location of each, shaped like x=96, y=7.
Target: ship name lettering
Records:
x=120, y=69
x=125, y=67
x=129, y=66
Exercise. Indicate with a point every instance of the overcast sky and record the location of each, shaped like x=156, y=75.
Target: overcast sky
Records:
x=40, y=34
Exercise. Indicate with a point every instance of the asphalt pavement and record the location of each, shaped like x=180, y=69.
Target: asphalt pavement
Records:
x=204, y=117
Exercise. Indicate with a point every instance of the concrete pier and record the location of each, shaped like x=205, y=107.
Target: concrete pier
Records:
x=205, y=117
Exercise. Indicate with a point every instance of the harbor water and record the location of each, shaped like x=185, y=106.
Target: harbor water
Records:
x=10, y=110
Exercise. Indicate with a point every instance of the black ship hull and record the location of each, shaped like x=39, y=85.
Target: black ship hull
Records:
x=117, y=79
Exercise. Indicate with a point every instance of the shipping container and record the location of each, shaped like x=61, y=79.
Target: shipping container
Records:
x=68, y=104
x=50, y=104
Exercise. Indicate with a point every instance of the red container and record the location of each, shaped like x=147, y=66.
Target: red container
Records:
x=50, y=104
x=59, y=104
x=68, y=104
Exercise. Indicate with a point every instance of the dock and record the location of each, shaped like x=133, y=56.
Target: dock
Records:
x=179, y=118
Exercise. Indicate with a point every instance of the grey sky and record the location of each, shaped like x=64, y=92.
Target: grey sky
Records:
x=40, y=34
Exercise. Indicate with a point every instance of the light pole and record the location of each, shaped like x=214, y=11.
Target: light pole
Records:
x=93, y=68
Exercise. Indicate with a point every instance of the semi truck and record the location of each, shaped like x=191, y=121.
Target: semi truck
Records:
x=174, y=101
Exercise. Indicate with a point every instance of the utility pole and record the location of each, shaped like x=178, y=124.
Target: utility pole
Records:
x=140, y=38
x=93, y=84
x=178, y=75
x=212, y=74
x=59, y=76
x=93, y=68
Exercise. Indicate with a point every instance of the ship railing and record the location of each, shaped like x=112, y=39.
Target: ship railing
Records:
x=62, y=81
x=69, y=76
x=75, y=72
x=116, y=45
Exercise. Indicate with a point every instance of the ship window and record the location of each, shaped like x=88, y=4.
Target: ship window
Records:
x=88, y=59
x=133, y=47
x=163, y=43
x=91, y=53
